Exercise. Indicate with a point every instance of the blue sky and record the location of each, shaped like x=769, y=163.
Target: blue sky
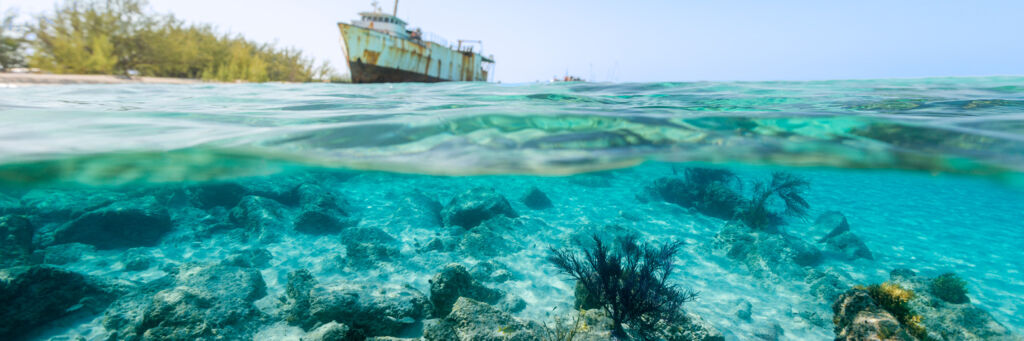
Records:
x=662, y=40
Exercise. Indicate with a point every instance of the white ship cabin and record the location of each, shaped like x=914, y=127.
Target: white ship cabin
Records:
x=382, y=22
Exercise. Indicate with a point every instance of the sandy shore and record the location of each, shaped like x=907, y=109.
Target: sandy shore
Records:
x=17, y=79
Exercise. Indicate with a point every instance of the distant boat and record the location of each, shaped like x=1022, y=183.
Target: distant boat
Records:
x=379, y=49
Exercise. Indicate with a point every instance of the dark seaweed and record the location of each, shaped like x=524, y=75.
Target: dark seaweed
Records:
x=630, y=283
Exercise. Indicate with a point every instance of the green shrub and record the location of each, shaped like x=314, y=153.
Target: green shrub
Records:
x=950, y=288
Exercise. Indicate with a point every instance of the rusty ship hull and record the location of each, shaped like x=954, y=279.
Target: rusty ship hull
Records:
x=378, y=57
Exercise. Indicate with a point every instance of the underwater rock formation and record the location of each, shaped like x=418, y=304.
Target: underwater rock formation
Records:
x=839, y=239
x=249, y=258
x=136, y=259
x=32, y=296
x=366, y=247
x=9, y=205
x=135, y=222
x=536, y=199
x=334, y=331
x=766, y=255
x=825, y=285
x=472, y=320
x=416, y=209
x=194, y=302
x=859, y=318
x=473, y=207
x=490, y=238
x=946, y=320
x=260, y=218
x=322, y=212
x=213, y=194
x=15, y=240
x=384, y=313
x=48, y=205
x=454, y=281
x=61, y=254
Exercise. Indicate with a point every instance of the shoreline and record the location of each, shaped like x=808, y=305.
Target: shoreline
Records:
x=20, y=79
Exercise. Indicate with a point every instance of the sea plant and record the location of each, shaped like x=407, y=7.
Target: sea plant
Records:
x=950, y=288
x=708, y=190
x=785, y=186
x=631, y=282
x=895, y=299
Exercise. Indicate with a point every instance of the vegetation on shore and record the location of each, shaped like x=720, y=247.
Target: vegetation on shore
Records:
x=120, y=37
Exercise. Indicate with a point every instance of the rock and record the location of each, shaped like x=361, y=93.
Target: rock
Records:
x=416, y=209
x=453, y=282
x=321, y=212
x=829, y=224
x=772, y=256
x=15, y=240
x=858, y=317
x=136, y=259
x=35, y=295
x=334, y=331
x=213, y=194
x=384, y=313
x=9, y=205
x=61, y=254
x=489, y=238
x=49, y=205
x=249, y=258
x=825, y=285
x=491, y=271
x=950, y=321
x=135, y=222
x=367, y=255
x=848, y=245
x=743, y=310
x=690, y=328
x=536, y=199
x=260, y=218
x=199, y=302
x=512, y=304
x=771, y=332
x=471, y=208
x=471, y=320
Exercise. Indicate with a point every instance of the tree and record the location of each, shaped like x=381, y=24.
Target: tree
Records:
x=11, y=54
x=631, y=283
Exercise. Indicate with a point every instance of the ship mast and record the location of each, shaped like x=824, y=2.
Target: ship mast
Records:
x=396, y=9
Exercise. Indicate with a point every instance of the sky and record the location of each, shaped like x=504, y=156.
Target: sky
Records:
x=651, y=41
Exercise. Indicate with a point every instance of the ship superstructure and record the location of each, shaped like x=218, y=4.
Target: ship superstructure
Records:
x=380, y=48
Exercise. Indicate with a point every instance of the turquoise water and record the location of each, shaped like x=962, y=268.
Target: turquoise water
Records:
x=176, y=198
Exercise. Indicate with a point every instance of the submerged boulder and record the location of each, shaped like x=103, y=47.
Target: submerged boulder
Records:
x=828, y=224
x=15, y=240
x=859, y=318
x=334, y=331
x=135, y=222
x=477, y=321
x=195, y=302
x=849, y=246
x=58, y=206
x=9, y=205
x=958, y=320
x=321, y=211
x=454, y=281
x=766, y=255
x=213, y=194
x=536, y=199
x=260, y=218
x=380, y=313
x=473, y=207
x=33, y=296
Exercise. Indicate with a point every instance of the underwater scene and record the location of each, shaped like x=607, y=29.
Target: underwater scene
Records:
x=848, y=210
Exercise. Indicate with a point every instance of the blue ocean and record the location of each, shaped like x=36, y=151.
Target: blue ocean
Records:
x=853, y=210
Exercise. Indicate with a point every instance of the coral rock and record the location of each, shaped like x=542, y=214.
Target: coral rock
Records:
x=137, y=222
x=536, y=199
x=473, y=207
x=472, y=320
x=453, y=282
x=33, y=296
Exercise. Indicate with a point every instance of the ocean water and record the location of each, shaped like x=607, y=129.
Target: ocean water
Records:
x=168, y=201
